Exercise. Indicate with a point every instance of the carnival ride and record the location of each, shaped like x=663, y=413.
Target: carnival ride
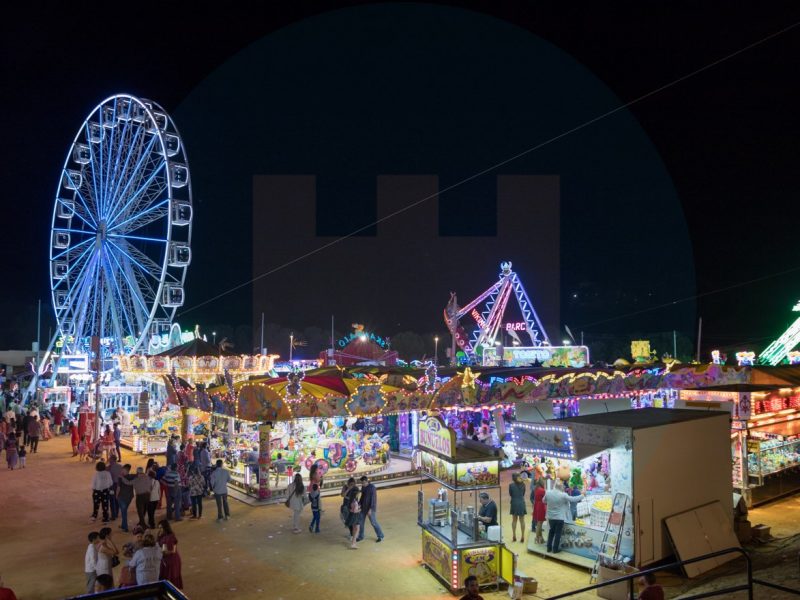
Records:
x=490, y=320
x=781, y=348
x=121, y=228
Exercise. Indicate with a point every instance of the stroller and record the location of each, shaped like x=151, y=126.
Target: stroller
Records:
x=96, y=451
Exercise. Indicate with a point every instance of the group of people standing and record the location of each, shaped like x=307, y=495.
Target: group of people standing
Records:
x=553, y=505
x=152, y=555
x=31, y=427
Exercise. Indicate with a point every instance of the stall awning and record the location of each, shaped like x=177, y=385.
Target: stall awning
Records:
x=786, y=429
x=586, y=450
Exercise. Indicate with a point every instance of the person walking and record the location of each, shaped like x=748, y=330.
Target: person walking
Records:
x=295, y=500
x=539, y=513
x=316, y=513
x=12, y=454
x=219, y=479
x=516, y=490
x=197, y=487
x=115, y=469
x=101, y=488
x=146, y=561
x=26, y=419
x=125, y=495
x=172, y=481
x=369, y=509
x=74, y=437
x=140, y=486
x=34, y=432
x=118, y=440
x=22, y=454
x=171, y=561
x=155, y=495
x=353, y=520
x=558, y=511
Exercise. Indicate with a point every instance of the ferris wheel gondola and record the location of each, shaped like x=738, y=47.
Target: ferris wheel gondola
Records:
x=121, y=232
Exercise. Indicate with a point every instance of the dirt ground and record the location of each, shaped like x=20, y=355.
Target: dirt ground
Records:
x=44, y=520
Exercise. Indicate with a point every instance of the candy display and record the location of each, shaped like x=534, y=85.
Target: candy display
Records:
x=773, y=456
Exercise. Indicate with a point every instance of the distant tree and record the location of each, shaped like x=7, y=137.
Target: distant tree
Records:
x=409, y=345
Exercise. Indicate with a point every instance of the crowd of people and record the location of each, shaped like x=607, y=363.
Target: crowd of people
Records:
x=22, y=429
x=177, y=487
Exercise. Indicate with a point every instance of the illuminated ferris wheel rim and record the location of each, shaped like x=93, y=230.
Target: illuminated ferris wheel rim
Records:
x=126, y=179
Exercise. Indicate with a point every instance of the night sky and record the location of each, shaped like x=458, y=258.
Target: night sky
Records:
x=477, y=84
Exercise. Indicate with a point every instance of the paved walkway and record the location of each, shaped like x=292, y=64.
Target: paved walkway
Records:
x=44, y=520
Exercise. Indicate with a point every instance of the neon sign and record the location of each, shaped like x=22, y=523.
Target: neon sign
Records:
x=516, y=327
x=478, y=318
x=363, y=336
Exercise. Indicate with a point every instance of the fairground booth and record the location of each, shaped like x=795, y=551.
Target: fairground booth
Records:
x=634, y=468
x=456, y=542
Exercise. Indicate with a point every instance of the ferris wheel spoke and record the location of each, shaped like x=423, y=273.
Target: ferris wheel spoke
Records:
x=118, y=315
x=86, y=253
x=126, y=173
x=155, y=212
x=109, y=159
x=116, y=174
x=139, y=260
x=132, y=201
x=113, y=211
x=125, y=275
x=81, y=198
x=137, y=237
x=71, y=249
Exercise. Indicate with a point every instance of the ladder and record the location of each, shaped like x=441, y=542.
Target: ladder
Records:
x=612, y=538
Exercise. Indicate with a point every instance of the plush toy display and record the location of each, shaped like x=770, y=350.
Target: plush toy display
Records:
x=576, y=481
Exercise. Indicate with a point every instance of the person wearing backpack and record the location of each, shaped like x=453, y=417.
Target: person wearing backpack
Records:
x=353, y=521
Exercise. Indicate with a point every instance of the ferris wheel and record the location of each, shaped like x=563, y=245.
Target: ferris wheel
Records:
x=121, y=228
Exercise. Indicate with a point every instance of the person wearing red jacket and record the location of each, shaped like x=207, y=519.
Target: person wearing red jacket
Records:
x=539, y=513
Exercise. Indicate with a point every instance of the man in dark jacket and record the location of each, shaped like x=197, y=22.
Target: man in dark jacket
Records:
x=25, y=420
x=369, y=506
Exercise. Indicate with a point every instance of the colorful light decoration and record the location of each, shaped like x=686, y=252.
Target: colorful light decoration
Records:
x=490, y=320
x=780, y=348
x=746, y=359
x=559, y=436
x=794, y=357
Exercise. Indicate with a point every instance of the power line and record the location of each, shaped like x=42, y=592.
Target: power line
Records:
x=494, y=166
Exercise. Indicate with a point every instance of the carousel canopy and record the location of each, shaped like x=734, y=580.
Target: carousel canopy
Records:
x=196, y=347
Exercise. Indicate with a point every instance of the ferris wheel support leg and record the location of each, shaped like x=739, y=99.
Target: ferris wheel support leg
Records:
x=38, y=369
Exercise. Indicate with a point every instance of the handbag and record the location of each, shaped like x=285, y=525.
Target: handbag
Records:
x=114, y=561
x=306, y=499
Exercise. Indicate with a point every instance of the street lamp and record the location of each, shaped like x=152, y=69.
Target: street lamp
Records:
x=214, y=333
x=436, y=350
x=291, y=345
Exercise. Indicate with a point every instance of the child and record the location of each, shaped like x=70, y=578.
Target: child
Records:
x=22, y=453
x=83, y=450
x=315, y=511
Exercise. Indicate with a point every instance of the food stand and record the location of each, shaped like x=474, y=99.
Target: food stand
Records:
x=455, y=543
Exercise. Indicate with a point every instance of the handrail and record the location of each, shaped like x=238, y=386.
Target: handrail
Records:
x=163, y=590
x=631, y=576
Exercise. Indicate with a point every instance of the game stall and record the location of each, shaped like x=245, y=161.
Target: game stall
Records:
x=765, y=436
x=621, y=474
x=455, y=543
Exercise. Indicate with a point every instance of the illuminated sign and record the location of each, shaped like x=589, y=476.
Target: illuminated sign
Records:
x=548, y=356
x=363, y=336
x=73, y=363
x=478, y=318
x=480, y=562
x=478, y=474
x=438, y=469
x=548, y=440
x=516, y=327
x=434, y=435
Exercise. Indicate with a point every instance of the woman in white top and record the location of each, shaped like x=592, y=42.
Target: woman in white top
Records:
x=295, y=493
x=106, y=550
x=101, y=490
